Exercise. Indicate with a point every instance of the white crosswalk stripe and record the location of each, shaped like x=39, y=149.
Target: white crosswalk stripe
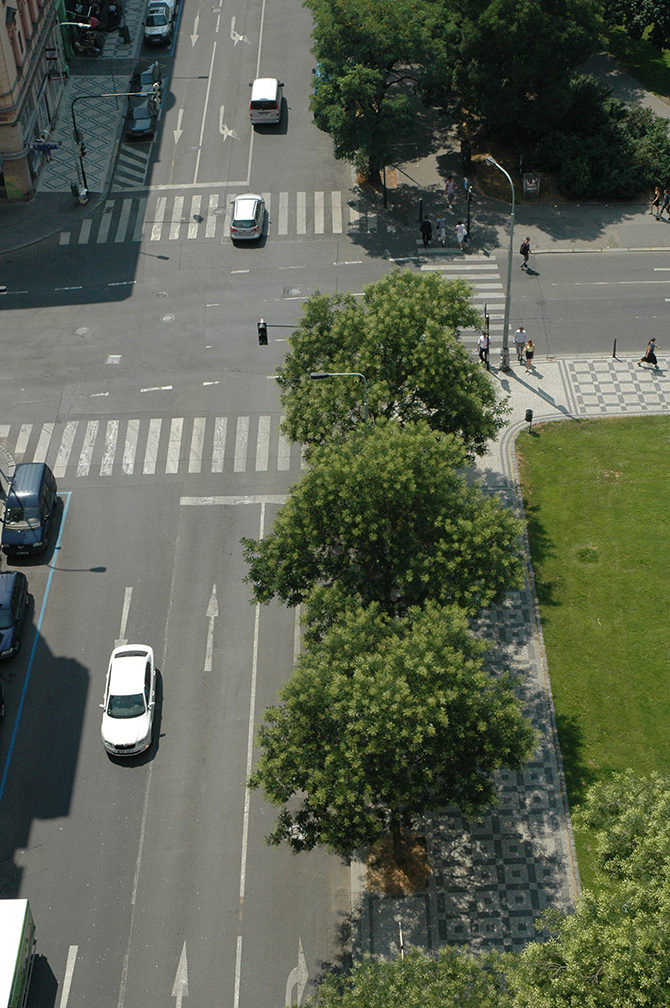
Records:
x=487, y=286
x=131, y=166
x=157, y=446
x=206, y=216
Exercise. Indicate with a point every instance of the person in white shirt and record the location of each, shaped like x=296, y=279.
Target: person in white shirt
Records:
x=461, y=234
x=520, y=340
x=483, y=344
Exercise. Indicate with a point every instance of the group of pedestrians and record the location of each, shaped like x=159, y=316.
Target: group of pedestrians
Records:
x=426, y=226
x=525, y=348
x=659, y=203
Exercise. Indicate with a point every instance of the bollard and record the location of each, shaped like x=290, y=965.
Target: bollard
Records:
x=614, y=349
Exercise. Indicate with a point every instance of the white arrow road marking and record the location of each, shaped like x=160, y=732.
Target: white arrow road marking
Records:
x=223, y=129
x=121, y=640
x=235, y=36
x=195, y=36
x=180, y=986
x=211, y=614
x=297, y=978
x=178, y=132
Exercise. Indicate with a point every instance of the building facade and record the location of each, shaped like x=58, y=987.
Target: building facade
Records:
x=32, y=79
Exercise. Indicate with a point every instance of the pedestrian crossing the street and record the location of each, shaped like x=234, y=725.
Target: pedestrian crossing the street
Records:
x=207, y=216
x=482, y=273
x=154, y=446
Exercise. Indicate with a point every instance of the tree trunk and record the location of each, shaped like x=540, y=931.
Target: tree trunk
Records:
x=396, y=834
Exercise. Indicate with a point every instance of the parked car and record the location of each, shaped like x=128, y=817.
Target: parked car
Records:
x=141, y=117
x=129, y=701
x=159, y=23
x=13, y=605
x=29, y=508
x=147, y=78
x=248, y=217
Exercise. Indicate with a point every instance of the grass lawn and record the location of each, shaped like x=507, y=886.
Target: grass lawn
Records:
x=646, y=64
x=596, y=495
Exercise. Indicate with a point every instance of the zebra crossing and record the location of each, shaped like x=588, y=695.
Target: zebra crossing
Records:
x=154, y=446
x=207, y=216
x=482, y=273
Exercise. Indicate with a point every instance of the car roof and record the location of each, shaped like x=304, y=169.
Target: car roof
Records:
x=128, y=665
x=246, y=199
x=26, y=478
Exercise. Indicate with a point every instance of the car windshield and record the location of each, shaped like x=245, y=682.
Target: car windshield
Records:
x=244, y=223
x=156, y=20
x=128, y=706
x=17, y=517
x=6, y=619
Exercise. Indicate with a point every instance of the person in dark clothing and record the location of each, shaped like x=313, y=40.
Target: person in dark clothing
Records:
x=525, y=252
x=426, y=231
x=650, y=355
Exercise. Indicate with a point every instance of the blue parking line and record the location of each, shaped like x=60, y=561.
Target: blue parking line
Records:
x=5, y=771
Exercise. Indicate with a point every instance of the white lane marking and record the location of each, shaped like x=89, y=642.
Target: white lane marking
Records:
x=67, y=979
x=138, y=233
x=318, y=213
x=103, y=230
x=86, y=455
x=282, y=224
x=159, y=217
x=211, y=614
x=246, y=499
x=219, y=445
x=85, y=232
x=197, y=442
x=284, y=453
x=130, y=447
x=151, y=451
x=301, y=213
x=125, y=609
x=64, y=238
x=111, y=436
x=126, y=959
x=174, y=445
x=22, y=439
x=175, y=225
x=336, y=211
x=210, y=229
x=43, y=443
x=238, y=972
x=4, y=431
x=263, y=444
x=204, y=113
x=123, y=220
x=195, y=213
x=156, y=388
x=63, y=456
x=241, y=443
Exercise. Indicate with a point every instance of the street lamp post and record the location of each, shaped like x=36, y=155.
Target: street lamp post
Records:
x=315, y=375
x=504, y=352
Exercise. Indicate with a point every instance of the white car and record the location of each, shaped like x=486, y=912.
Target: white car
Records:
x=248, y=217
x=129, y=701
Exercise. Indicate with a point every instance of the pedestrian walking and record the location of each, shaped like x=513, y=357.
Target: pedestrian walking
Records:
x=441, y=227
x=520, y=340
x=483, y=345
x=525, y=252
x=450, y=191
x=650, y=355
x=666, y=203
x=655, y=203
x=530, y=353
x=426, y=231
x=461, y=234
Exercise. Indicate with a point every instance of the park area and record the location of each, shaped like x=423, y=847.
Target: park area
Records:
x=595, y=495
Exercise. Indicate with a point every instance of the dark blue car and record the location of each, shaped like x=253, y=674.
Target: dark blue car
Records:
x=13, y=605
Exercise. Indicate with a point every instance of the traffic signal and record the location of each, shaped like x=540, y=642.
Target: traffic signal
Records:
x=262, y=333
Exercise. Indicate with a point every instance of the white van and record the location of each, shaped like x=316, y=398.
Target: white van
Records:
x=266, y=100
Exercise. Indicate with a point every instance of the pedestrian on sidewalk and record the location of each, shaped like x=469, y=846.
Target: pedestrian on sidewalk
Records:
x=666, y=203
x=483, y=345
x=441, y=226
x=520, y=340
x=650, y=355
x=525, y=252
x=655, y=203
x=426, y=231
x=450, y=191
x=530, y=353
x=461, y=234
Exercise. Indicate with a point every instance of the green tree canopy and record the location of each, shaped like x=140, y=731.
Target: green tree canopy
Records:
x=402, y=338
x=387, y=515
x=386, y=719
x=636, y=16
x=516, y=58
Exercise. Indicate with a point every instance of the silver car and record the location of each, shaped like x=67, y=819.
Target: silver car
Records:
x=248, y=217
